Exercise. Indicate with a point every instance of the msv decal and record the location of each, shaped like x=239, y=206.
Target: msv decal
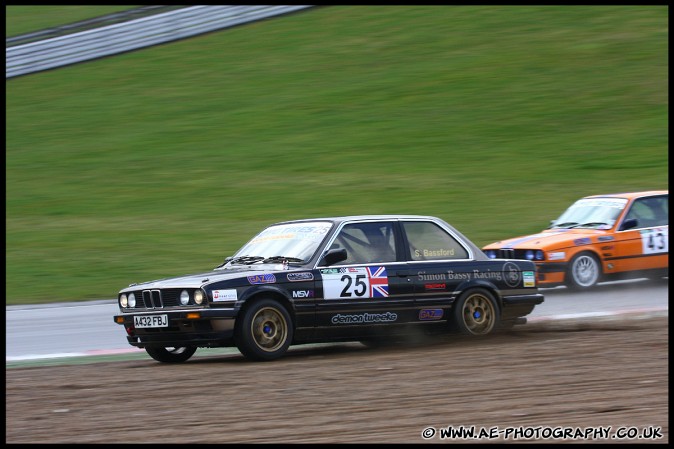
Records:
x=303, y=294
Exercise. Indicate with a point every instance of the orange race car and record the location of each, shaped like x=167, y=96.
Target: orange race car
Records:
x=600, y=237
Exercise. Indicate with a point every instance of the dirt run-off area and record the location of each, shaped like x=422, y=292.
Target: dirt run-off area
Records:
x=541, y=382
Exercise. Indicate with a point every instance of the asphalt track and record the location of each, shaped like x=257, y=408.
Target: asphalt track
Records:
x=79, y=329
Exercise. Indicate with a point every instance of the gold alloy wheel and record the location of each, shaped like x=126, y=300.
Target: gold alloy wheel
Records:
x=479, y=314
x=269, y=329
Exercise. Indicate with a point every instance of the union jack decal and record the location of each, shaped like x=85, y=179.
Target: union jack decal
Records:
x=378, y=282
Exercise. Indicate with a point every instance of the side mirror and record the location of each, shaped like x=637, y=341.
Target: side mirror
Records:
x=629, y=224
x=332, y=256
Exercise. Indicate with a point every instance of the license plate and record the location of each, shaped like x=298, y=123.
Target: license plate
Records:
x=151, y=321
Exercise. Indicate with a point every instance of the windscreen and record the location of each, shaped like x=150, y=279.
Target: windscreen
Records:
x=599, y=212
x=294, y=240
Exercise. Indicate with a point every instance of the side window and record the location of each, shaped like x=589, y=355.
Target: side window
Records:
x=430, y=242
x=660, y=207
x=650, y=212
x=371, y=242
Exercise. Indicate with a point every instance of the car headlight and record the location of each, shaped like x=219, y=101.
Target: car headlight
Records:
x=529, y=254
x=132, y=300
x=198, y=296
x=123, y=301
x=491, y=253
x=184, y=297
x=539, y=255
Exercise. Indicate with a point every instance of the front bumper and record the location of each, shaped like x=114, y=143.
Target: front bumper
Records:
x=201, y=327
x=550, y=274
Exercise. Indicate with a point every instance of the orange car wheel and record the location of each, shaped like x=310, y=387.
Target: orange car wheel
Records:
x=584, y=271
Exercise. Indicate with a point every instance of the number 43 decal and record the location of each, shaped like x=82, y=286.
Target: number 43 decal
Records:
x=655, y=241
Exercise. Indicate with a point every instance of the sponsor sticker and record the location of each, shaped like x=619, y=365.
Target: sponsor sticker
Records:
x=298, y=277
x=364, y=318
x=528, y=278
x=297, y=231
x=224, y=295
x=262, y=279
x=617, y=203
x=430, y=314
x=511, y=274
x=303, y=294
x=561, y=255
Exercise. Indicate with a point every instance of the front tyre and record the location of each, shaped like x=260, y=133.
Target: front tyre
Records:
x=265, y=330
x=584, y=271
x=475, y=313
x=171, y=354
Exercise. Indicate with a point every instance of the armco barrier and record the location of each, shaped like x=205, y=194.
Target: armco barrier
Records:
x=123, y=15
x=144, y=32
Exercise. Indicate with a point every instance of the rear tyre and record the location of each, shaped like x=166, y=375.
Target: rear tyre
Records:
x=171, y=354
x=475, y=313
x=265, y=330
x=584, y=271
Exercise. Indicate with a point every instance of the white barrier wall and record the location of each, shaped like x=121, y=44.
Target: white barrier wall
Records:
x=134, y=34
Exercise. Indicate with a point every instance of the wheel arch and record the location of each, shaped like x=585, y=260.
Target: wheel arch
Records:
x=483, y=284
x=268, y=293
x=477, y=322
x=581, y=251
x=576, y=250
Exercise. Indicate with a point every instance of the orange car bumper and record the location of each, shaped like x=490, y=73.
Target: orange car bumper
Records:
x=548, y=275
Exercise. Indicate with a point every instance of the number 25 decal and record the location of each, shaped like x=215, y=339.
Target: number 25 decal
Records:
x=356, y=282
x=353, y=285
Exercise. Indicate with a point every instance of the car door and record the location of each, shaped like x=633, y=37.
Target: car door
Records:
x=371, y=287
x=439, y=262
x=645, y=246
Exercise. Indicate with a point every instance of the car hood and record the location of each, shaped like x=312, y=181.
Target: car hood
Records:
x=200, y=279
x=550, y=239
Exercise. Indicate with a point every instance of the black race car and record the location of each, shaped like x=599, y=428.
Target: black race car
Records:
x=372, y=278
